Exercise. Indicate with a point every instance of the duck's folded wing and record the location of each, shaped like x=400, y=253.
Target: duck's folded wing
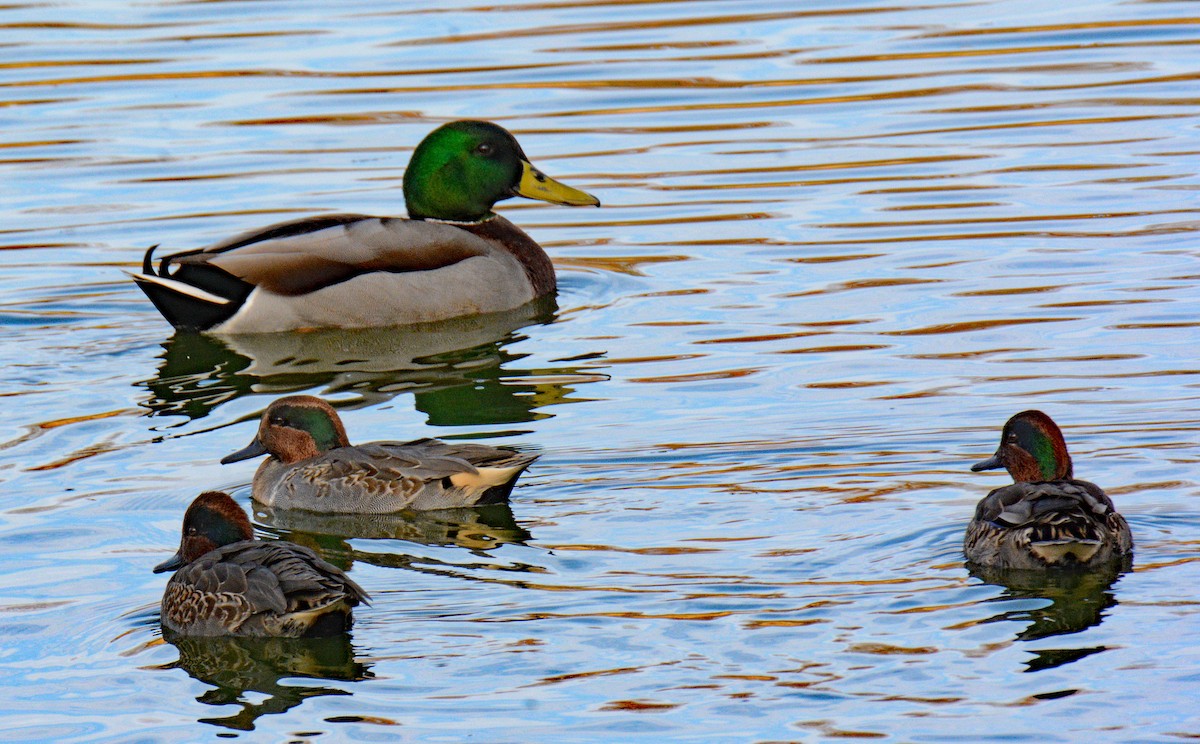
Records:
x=298, y=257
x=287, y=577
x=478, y=455
x=231, y=575
x=397, y=461
x=461, y=464
x=1022, y=503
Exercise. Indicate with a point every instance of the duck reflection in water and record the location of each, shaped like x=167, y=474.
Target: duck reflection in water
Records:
x=1072, y=601
x=478, y=530
x=235, y=666
x=457, y=370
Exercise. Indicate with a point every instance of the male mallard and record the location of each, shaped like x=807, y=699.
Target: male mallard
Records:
x=228, y=583
x=452, y=256
x=313, y=466
x=1046, y=517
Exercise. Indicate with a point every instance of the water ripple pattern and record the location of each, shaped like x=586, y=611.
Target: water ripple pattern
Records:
x=841, y=244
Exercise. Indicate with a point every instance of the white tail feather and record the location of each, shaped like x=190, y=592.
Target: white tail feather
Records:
x=181, y=288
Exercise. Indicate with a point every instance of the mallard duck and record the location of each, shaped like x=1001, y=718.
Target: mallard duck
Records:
x=228, y=583
x=453, y=256
x=1046, y=518
x=313, y=466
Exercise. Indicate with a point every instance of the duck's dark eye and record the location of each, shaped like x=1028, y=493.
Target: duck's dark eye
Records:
x=193, y=531
x=484, y=149
x=277, y=421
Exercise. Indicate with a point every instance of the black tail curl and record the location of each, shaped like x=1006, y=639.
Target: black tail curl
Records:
x=148, y=260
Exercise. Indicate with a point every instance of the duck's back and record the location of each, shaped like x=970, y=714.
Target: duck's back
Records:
x=1051, y=523
x=256, y=588
x=386, y=477
x=356, y=270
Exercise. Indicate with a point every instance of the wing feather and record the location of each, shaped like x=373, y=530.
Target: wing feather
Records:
x=1023, y=503
x=319, y=253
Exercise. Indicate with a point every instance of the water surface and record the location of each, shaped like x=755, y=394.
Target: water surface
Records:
x=840, y=245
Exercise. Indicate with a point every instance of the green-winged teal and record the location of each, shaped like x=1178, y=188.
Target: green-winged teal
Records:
x=313, y=466
x=1046, y=518
x=453, y=256
x=228, y=583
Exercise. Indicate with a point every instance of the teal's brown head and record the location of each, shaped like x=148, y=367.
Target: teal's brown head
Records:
x=1031, y=449
x=295, y=428
x=212, y=520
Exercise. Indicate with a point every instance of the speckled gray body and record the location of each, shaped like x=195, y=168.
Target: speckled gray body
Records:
x=1053, y=523
x=254, y=588
x=385, y=477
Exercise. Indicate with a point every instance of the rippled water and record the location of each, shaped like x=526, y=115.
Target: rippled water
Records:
x=841, y=244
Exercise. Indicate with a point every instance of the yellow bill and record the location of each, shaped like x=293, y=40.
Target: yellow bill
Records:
x=537, y=185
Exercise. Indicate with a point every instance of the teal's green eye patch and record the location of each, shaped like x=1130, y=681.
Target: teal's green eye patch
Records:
x=313, y=421
x=1034, y=441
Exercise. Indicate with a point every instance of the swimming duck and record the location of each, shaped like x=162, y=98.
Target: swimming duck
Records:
x=228, y=583
x=313, y=466
x=1045, y=518
x=453, y=256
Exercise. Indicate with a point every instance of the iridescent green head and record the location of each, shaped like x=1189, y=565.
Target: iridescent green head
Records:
x=295, y=428
x=461, y=169
x=1032, y=449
